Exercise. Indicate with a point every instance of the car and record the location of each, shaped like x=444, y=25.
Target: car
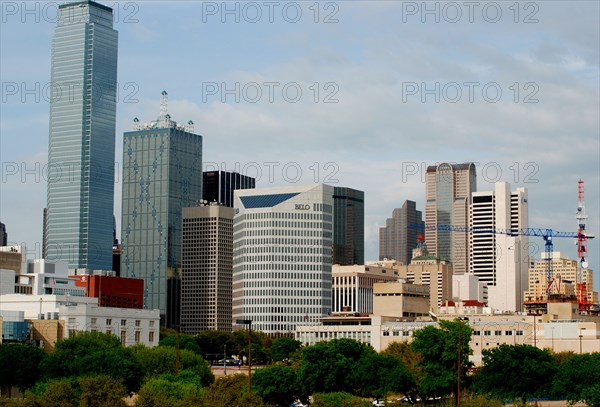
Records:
x=378, y=403
x=228, y=362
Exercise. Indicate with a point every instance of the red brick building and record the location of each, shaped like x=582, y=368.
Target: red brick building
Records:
x=113, y=291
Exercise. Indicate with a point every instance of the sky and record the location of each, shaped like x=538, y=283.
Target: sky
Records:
x=363, y=94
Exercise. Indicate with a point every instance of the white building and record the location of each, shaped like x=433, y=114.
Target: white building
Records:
x=468, y=287
x=500, y=260
x=352, y=288
x=132, y=326
x=282, y=243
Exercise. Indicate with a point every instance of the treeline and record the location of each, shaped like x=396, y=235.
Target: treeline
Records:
x=93, y=369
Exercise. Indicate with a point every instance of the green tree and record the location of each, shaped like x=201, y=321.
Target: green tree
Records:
x=377, y=375
x=577, y=375
x=19, y=365
x=212, y=342
x=328, y=366
x=283, y=348
x=231, y=391
x=101, y=391
x=277, y=385
x=163, y=360
x=439, y=347
x=338, y=399
x=170, y=390
x=414, y=363
x=53, y=393
x=92, y=353
x=185, y=342
x=515, y=372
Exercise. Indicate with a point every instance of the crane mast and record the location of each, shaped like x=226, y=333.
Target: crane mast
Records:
x=581, y=247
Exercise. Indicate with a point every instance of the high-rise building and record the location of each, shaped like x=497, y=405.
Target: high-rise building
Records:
x=206, y=268
x=81, y=151
x=400, y=235
x=282, y=239
x=44, y=233
x=499, y=260
x=162, y=173
x=3, y=235
x=218, y=186
x=348, y=226
x=447, y=198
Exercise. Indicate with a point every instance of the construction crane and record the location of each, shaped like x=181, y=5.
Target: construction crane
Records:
x=547, y=234
x=582, y=238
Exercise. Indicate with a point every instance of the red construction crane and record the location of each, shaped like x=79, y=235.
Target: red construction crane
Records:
x=582, y=237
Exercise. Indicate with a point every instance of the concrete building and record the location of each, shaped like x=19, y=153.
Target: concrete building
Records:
x=162, y=173
x=348, y=226
x=468, y=287
x=207, y=268
x=400, y=299
x=14, y=257
x=400, y=236
x=42, y=277
x=112, y=291
x=282, y=239
x=352, y=286
x=132, y=326
x=447, y=198
x=218, y=186
x=499, y=260
x=81, y=152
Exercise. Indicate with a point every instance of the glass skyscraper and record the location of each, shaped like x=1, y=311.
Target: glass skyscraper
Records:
x=400, y=236
x=162, y=173
x=348, y=226
x=81, y=152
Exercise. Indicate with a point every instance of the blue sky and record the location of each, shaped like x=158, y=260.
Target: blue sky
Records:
x=374, y=61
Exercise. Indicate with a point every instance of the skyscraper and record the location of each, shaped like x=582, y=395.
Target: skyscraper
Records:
x=398, y=239
x=282, y=243
x=499, y=260
x=162, y=173
x=3, y=235
x=348, y=226
x=81, y=151
x=447, y=198
x=218, y=186
x=206, y=268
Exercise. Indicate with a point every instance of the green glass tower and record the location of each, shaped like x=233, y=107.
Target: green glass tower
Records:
x=81, y=151
x=162, y=173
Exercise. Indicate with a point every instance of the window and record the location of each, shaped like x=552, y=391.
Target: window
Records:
x=151, y=337
x=151, y=324
x=123, y=322
x=72, y=321
x=386, y=333
x=109, y=331
x=497, y=333
x=508, y=333
x=94, y=321
x=137, y=336
x=137, y=322
x=487, y=333
x=108, y=321
x=519, y=333
x=476, y=333
x=123, y=337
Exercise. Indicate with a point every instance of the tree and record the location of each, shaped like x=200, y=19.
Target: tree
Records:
x=338, y=399
x=185, y=342
x=277, y=385
x=576, y=377
x=98, y=391
x=231, y=391
x=439, y=347
x=163, y=360
x=329, y=366
x=212, y=342
x=515, y=372
x=90, y=353
x=19, y=365
x=283, y=348
x=414, y=363
x=53, y=393
x=377, y=375
x=170, y=390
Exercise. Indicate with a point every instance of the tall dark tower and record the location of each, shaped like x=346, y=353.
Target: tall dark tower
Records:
x=348, y=226
x=397, y=239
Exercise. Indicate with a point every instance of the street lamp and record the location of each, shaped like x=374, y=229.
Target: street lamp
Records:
x=225, y=359
x=249, y=323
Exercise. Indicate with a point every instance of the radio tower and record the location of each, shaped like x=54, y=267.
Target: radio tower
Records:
x=581, y=248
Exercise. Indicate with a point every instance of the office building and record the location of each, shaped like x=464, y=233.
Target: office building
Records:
x=44, y=233
x=399, y=237
x=81, y=151
x=218, y=186
x=499, y=260
x=447, y=198
x=3, y=235
x=112, y=291
x=282, y=239
x=352, y=286
x=162, y=173
x=206, y=268
x=348, y=226
x=14, y=257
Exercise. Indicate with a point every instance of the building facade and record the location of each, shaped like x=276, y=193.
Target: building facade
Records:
x=282, y=240
x=218, y=186
x=81, y=151
x=206, y=268
x=162, y=173
x=112, y=291
x=3, y=235
x=497, y=259
x=400, y=235
x=348, y=226
x=352, y=286
x=448, y=189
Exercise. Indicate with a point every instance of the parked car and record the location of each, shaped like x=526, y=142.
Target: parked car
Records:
x=228, y=362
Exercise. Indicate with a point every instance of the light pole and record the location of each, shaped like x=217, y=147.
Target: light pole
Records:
x=225, y=359
x=249, y=323
x=552, y=338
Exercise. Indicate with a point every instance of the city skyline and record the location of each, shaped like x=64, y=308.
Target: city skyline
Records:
x=368, y=140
